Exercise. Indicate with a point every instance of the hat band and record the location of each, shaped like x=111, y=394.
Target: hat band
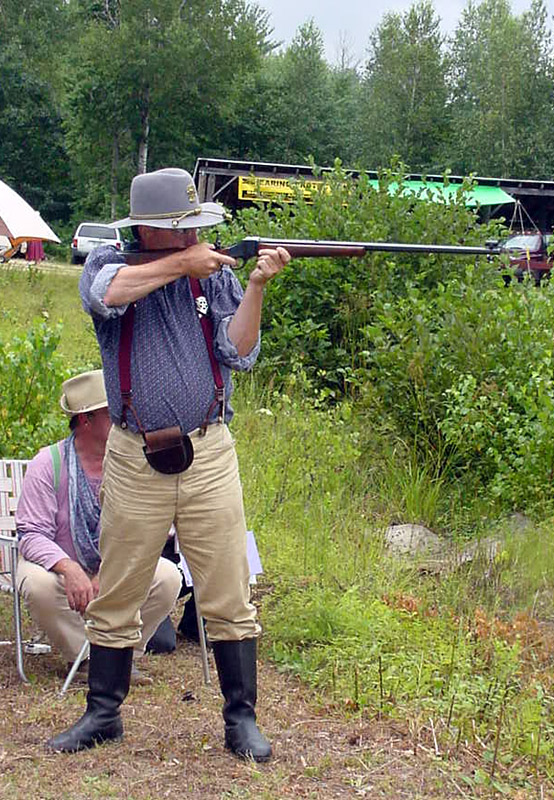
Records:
x=176, y=216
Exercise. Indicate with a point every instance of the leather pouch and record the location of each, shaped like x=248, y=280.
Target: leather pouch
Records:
x=168, y=450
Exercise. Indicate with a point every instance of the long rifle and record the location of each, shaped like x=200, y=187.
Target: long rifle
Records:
x=250, y=246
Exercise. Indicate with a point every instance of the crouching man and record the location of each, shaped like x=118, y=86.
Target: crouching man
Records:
x=58, y=524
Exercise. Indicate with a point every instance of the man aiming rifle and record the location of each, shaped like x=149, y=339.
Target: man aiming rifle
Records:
x=170, y=330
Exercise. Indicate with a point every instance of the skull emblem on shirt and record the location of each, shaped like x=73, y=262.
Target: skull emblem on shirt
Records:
x=201, y=306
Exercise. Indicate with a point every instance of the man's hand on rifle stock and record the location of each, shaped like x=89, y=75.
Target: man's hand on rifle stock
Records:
x=201, y=260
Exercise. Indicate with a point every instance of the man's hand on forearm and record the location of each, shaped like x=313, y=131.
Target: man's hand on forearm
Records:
x=78, y=586
x=268, y=265
x=245, y=326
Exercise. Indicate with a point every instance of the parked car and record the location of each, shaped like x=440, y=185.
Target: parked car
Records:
x=529, y=253
x=90, y=235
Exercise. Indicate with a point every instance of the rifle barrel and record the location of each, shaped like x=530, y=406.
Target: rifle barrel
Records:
x=310, y=248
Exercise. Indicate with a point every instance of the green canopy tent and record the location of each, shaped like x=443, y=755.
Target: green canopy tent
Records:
x=477, y=195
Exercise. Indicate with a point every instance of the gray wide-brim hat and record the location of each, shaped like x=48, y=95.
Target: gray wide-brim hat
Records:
x=84, y=392
x=168, y=198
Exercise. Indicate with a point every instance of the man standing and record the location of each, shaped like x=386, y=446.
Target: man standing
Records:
x=58, y=521
x=170, y=330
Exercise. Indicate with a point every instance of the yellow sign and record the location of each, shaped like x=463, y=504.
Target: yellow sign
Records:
x=282, y=189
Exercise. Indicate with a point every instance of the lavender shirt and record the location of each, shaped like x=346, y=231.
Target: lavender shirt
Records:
x=171, y=375
x=42, y=516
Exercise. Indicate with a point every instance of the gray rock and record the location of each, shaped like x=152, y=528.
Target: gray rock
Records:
x=412, y=540
x=518, y=522
x=435, y=555
x=485, y=549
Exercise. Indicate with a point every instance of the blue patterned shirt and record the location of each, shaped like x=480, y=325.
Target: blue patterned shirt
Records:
x=171, y=375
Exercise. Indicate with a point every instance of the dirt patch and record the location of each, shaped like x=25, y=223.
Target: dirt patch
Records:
x=173, y=745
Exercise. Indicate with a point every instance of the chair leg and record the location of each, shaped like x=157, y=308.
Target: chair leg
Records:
x=83, y=653
x=17, y=616
x=203, y=646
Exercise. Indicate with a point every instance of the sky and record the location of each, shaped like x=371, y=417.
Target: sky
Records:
x=353, y=20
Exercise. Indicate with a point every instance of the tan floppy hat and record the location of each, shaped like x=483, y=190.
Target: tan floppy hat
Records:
x=168, y=198
x=84, y=392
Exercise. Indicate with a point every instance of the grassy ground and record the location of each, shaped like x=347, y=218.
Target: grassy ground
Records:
x=173, y=745
x=50, y=292
x=468, y=652
x=382, y=678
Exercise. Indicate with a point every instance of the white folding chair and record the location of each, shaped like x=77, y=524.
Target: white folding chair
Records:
x=83, y=653
x=11, y=479
x=86, y=647
x=199, y=618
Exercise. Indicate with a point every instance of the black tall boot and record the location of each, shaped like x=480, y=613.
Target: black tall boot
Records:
x=236, y=668
x=109, y=676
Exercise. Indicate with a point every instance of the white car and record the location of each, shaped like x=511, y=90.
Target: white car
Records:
x=90, y=235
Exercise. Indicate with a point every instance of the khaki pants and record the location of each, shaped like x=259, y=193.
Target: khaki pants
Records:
x=138, y=507
x=46, y=600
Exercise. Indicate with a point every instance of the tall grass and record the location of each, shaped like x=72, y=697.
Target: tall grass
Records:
x=376, y=634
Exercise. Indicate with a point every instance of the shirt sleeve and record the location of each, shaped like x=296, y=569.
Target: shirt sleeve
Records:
x=101, y=267
x=224, y=297
x=36, y=515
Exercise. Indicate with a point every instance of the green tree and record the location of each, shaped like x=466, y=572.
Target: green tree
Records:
x=295, y=106
x=306, y=116
x=287, y=109
x=222, y=44
x=405, y=91
x=346, y=88
x=151, y=84
x=32, y=157
x=254, y=126
x=41, y=30
x=501, y=77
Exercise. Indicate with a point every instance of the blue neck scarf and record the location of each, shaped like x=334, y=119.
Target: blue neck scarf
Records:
x=84, y=511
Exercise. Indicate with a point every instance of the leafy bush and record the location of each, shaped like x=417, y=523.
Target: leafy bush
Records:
x=440, y=352
x=315, y=312
x=31, y=374
x=467, y=372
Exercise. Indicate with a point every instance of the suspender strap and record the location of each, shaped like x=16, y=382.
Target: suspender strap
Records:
x=56, y=464
x=207, y=326
x=125, y=344
x=124, y=359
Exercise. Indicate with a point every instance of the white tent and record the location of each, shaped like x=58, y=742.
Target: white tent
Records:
x=20, y=222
